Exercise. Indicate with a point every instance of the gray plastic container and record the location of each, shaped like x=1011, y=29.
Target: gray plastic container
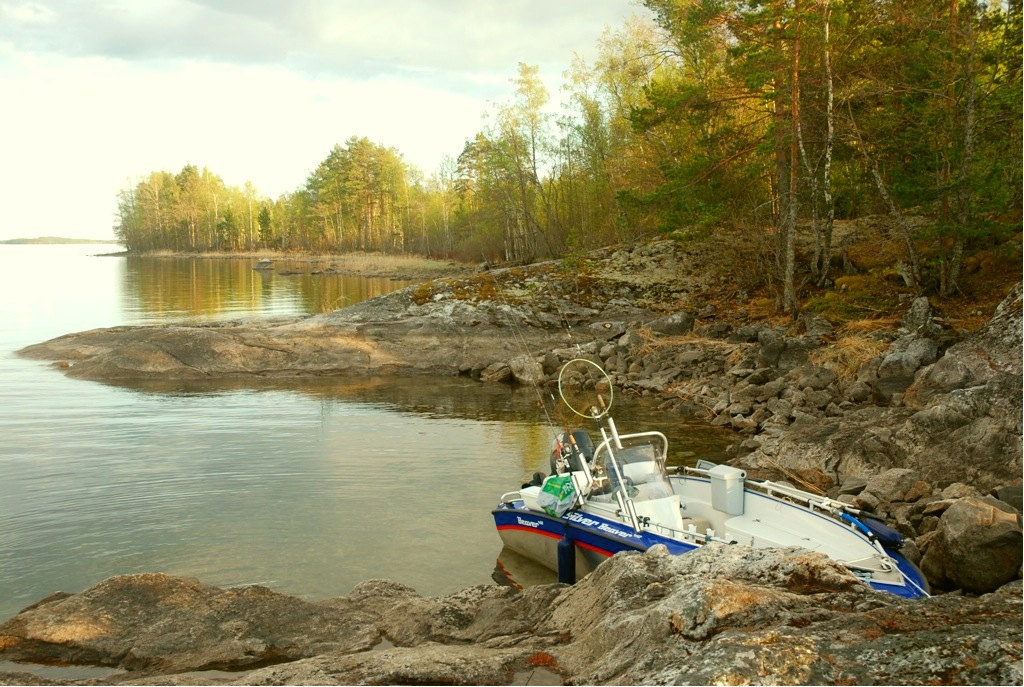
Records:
x=727, y=489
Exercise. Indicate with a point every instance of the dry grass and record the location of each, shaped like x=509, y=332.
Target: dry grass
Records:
x=863, y=327
x=374, y=262
x=973, y=322
x=736, y=355
x=652, y=343
x=845, y=356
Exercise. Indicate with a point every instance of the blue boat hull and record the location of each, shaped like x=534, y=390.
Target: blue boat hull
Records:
x=595, y=539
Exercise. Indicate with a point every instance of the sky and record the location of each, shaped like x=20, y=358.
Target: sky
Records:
x=98, y=93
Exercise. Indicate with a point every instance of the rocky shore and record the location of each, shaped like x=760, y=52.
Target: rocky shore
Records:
x=721, y=615
x=925, y=430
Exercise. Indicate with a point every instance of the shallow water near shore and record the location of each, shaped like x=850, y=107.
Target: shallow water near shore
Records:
x=306, y=486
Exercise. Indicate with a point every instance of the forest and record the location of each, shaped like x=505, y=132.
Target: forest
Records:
x=769, y=120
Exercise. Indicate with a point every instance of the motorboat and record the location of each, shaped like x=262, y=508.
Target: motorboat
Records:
x=619, y=495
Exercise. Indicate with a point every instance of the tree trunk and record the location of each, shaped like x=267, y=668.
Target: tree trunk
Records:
x=912, y=276
x=789, y=303
x=951, y=274
x=830, y=205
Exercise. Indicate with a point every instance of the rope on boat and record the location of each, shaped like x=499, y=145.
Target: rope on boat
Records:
x=912, y=583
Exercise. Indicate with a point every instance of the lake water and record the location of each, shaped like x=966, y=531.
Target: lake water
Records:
x=306, y=486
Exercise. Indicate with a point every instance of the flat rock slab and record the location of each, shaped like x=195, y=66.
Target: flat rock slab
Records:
x=312, y=346
x=720, y=615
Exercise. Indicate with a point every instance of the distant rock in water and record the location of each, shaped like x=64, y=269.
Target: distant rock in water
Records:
x=722, y=614
x=264, y=264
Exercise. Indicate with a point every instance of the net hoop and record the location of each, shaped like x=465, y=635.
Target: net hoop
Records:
x=592, y=412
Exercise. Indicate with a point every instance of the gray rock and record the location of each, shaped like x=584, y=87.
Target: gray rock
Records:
x=898, y=364
x=497, y=372
x=761, y=375
x=715, y=330
x=631, y=338
x=885, y=390
x=918, y=317
x=978, y=547
x=868, y=371
x=940, y=418
x=170, y=624
x=817, y=399
x=990, y=355
x=958, y=490
x=796, y=353
x=658, y=626
x=745, y=334
x=607, y=329
x=892, y=485
x=906, y=355
x=527, y=370
x=551, y=363
x=811, y=376
x=739, y=408
x=865, y=501
x=675, y=324
x=1010, y=495
x=817, y=326
x=853, y=485
x=687, y=358
x=923, y=350
x=747, y=393
x=773, y=388
x=722, y=614
x=780, y=408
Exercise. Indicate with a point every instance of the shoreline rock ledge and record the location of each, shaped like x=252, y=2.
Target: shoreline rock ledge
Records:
x=721, y=615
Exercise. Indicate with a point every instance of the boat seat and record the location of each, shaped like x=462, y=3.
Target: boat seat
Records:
x=529, y=496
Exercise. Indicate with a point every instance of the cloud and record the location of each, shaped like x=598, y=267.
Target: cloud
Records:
x=460, y=39
x=98, y=93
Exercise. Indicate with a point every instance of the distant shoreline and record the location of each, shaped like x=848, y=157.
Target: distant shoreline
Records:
x=54, y=240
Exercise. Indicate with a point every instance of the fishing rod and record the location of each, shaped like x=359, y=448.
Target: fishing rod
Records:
x=520, y=341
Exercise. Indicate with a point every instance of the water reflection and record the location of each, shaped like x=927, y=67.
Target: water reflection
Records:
x=467, y=399
x=308, y=485
x=157, y=290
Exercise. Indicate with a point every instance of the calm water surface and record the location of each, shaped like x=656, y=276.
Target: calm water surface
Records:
x=306, y=486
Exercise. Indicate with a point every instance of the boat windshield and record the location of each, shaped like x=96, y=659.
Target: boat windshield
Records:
x=637, y=469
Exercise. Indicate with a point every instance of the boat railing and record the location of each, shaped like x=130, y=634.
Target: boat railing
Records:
x=789, y=491
x=510, y=496
x=835, y=509
x=691, y=533
x=619, y=441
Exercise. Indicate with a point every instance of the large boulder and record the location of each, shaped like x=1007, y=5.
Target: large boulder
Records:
x=735, y=615
x=977, y=547
x=892, y=485
x=155, y=622
x=992, y=355
x=720, y=615
x=958, y=421
x=676, y=324
x=387, y=335
x=527, y=370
